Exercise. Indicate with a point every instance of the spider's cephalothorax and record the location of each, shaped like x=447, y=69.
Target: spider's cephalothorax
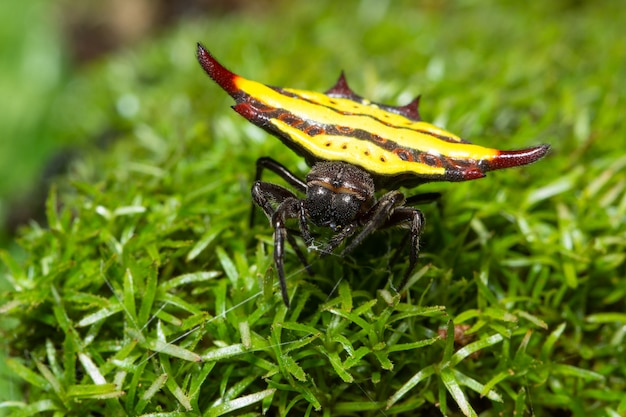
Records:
x=339, y=196
x=352, y=145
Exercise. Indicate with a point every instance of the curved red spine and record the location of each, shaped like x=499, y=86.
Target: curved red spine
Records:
x=217, y=71
x=508, y=159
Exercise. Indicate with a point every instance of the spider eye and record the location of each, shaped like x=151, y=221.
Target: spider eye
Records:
x=345, y=208
x=320, y=192
x=317, y=203
x=331, y=209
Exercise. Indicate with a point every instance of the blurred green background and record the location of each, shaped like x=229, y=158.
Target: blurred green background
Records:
x=43, y=45
x=32, y=70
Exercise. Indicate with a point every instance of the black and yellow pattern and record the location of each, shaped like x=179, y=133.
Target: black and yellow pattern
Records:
x=391, y=143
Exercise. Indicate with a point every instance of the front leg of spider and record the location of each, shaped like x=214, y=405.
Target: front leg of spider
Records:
x=288, y=209
x=289, y=206
x=376, y=218
x=266, y=163
x=336, y=240
x=390, y=211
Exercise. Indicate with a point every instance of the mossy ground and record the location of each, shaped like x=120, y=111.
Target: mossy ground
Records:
x=148, y=293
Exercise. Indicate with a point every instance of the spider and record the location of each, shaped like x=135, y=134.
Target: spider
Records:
x=339, y=196
x=354, y=147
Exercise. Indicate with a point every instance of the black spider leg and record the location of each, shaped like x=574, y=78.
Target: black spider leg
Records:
x=388, y=212
x=376, y=218
x=283, y=172
x=288, y=209
x=423, y=198
x=336, y=240
x=280, y=170
x=263, y=194
x=415, y=218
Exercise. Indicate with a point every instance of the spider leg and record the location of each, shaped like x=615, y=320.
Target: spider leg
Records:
x=399, y=217
x=280, y=170
x=377, y=217
x=426, y=198
x=263, y=195
x=423, y=198
x=299, y=254
x=288, y=209
x=415, y=218
x=336, y=240
x=304, y=225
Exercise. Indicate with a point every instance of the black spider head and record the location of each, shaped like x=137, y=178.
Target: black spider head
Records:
x=337, y=193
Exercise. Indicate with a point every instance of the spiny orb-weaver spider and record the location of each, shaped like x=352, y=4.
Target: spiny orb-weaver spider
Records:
x=355, y=147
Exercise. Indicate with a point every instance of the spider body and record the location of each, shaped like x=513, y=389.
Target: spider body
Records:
x=339, y=196
x=355, y=148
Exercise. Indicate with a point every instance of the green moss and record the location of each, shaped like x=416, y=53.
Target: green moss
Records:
x=148, y=293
